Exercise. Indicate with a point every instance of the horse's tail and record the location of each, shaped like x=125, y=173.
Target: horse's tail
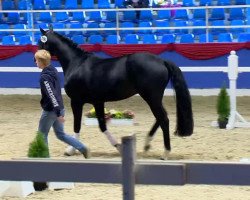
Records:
x=185, y=123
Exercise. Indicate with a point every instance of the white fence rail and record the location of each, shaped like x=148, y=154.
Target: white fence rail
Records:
x=127, y=172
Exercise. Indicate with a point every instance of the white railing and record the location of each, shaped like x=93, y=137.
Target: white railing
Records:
x=127, y=172
x=207, y=27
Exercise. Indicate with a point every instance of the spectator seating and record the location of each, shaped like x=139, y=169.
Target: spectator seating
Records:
x=199, y=14
x=18, y=34
x=240, y=2
x=162, y=24
x=163, y=15
x=217, y=14
x=237, y=22
x=95, y=16
x=110, y=16
x=129, y=15
x=181, y=23
x=205, y=2
x=236, y=13
x=188, y=3
x=92, y=25
x=149, y=39
x=181, y=15
x=70, y=4
x=244, y=37
x=199, y=31
x=25, y=39
x=78, y=39
x=109, y=25
x=45, y=17
x=223, y=2
x=130, y=25
x=146, y=15
x=76, y=25
x=187, y=38
x=78, y=16
x=61, y=16
x=13, y=18
x=8, y=40
x=131, y=39
x=87, y=4
x=168, y=38
x=104, y=4
x=225, y=37
x=22, y=5
x=95, y=39
x=146, y=25
x=4, y=33
x=55, y=4
x=203, y=38
x=58, y=26
x=8, y=5
x=119, y=3
x=113, y=39
x=39, y=5
x=216, y=31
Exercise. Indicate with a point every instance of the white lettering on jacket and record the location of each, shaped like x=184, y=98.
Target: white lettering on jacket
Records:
x=51, y=94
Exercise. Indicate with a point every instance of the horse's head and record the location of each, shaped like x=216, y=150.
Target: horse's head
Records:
x=47, y=40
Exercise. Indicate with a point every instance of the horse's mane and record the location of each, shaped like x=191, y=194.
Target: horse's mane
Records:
x=78, y=50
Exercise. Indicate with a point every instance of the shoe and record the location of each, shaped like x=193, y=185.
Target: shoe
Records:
x=86, y=153
x=70, y=151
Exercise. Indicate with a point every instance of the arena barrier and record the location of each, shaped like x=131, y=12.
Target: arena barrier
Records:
x=128, y=171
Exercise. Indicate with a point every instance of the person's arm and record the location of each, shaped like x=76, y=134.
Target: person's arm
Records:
x=50, y=92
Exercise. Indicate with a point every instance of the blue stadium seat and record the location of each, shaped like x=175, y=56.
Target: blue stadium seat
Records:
x=146, y=15
x=113, y=39
x=223, y=2
x=129, y=15
x=131, y=39
x=109, y=25
x=237, y=22
x=76, y=25
x=216, y=31
x=9, y=40
x=217, y=14
x=70, y=4
x=39, y=5
x=95, y=39
x=78, y=16
x=168, y=38
x=244, y=37
x=199, y=14
x=95, y=16
x=187, y=38
x=8, y=5
x=78, y=39
x=149, y=39
x=18, y=34
x=103, y=4
x=199, y=31
x=163, y=15
x=188, y=3
x=25, y=39
x=22, y=5
x=4, y=33
x=55, y=4
x=127, y=25
x=13, y=18
x=204, y=38
x=162, y=24
x=59, y=25
x=87, y=4
x=225, y=37
x=144, y=24
x=110, y=16
x=181, y=14
x=240, y=2
x=61, y=16
x=45, y=17
x=119, y=3
x=236, y=13
x=92, y=25
x=205, y=2
x=181, y=23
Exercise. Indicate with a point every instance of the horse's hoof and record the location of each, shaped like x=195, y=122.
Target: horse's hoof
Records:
x=147, y=147
x=70, y=151
x=165, y=155
x=119, y=148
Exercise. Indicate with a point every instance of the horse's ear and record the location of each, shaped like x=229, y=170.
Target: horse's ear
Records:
x=50, y=27
x=42, y=31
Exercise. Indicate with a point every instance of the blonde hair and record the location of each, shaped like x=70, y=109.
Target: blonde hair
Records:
x=43, y=56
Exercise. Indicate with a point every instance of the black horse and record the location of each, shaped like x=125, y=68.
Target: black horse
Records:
x=95, y=80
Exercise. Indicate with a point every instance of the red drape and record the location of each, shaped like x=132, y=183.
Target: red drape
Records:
x=192, y=51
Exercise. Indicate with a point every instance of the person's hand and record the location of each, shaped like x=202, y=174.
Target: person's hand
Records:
x=61, y=119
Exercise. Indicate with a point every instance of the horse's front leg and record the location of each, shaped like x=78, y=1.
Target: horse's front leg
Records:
x=99, y=108
x=77, y=107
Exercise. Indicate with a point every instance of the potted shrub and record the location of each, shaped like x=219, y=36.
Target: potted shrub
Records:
x=39, y=149
x=223, y=107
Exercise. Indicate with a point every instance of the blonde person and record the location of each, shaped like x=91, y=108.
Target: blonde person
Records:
x=52, y=103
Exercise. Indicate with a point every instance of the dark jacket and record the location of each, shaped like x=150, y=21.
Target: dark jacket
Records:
x=139, y=4
x=51, y=90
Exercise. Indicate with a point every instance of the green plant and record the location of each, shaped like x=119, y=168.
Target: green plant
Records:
x=38, y=147
x=223, y=105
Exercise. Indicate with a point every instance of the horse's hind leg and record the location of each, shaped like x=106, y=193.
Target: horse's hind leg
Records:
x=150, y=135
x=160, y=114
x=99, y=108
